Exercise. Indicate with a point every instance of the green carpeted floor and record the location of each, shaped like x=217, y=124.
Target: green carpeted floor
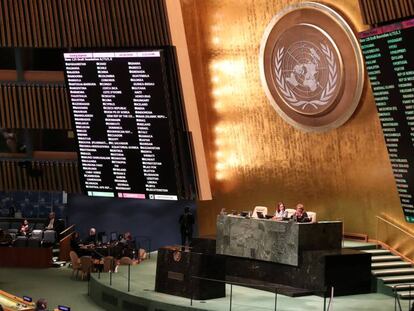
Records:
x=244, y=299
x=57, y=287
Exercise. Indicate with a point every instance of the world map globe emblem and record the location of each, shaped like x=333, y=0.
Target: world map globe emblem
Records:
x=311, y=66
x=306, y=75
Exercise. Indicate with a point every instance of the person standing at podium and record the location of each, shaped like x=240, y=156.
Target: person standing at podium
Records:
x=186, y=226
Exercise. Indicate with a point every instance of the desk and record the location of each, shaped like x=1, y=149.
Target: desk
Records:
x=275, y=241
x=26, y=257
x=12, y=303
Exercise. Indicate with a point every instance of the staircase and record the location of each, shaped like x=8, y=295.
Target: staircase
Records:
x=389, y=270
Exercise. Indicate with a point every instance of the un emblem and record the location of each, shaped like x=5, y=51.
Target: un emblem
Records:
x=301, y=62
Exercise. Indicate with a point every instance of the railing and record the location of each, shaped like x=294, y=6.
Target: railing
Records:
x=259, y=286
x=397, y=301
x=67, y=231
x=395, y=238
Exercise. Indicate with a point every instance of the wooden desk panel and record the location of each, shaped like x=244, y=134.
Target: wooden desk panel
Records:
x=10, y=302
x=25, y=257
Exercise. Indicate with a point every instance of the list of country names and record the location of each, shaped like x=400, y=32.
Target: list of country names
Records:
x=390, y=65
x=120, y=130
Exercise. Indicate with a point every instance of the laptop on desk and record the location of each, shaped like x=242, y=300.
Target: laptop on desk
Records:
x=260, y=215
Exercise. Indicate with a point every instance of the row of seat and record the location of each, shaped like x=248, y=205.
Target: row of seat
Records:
x=15, y=224
x=22, y=241
x=85, y=264
x=37, y=238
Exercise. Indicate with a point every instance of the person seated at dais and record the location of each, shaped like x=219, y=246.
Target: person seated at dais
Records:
x=300, y=214
x=281, y=212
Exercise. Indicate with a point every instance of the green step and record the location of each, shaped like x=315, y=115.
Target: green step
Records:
x=359, y=245
x=390, y=264
x=375, y=252
x=385, y=258
x=401, y=286
x=398, y=278
x=406, y=294
x=397, y=271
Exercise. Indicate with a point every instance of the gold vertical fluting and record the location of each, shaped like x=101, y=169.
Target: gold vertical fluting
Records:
x=254, y=157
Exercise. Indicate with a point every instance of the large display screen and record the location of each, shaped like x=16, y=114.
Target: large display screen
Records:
x=389, y=59
x=126, y=124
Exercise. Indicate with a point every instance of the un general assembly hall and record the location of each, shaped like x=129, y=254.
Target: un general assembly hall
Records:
x=210, y=155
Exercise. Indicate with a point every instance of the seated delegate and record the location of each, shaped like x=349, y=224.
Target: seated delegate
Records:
x=300, y=214
x=281, y=212
x=52, y=223
x=24, y=228
x=91, y=240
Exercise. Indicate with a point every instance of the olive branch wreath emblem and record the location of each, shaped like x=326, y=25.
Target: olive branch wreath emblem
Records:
x=327, y=92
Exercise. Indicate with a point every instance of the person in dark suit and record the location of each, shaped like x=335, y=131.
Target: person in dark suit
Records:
x=300, y=214
x=75, y=243
x=92, y=238
x=51, y=225
x=186, y=226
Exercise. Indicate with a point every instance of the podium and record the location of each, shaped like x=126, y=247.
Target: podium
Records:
x=176, y=269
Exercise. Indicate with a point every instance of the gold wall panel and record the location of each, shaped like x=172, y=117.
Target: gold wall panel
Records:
x=254, y=157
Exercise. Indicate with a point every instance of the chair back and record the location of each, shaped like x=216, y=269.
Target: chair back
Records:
x=37, y=233
x=312, y=216
x=49, y=236
x=74, y=259
x=86, y=264
x=13, y=230
x=125, y=261
x=4, y=225
x=39, y=226
x=291, y=212
x=261, y=209
x=108, y=264
x=142, y=254
x=15, y=226
x=33, y=242
x=21, y=241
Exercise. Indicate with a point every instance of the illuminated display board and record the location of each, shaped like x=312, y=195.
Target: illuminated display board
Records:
x=125, y=125
x=389, y=59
